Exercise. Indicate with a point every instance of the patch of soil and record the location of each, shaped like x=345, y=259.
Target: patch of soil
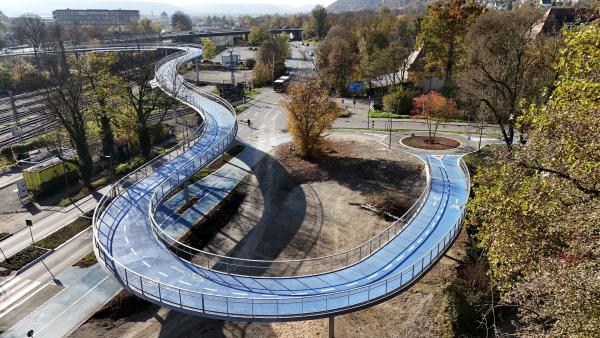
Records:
x=121, y=306
x=423, y=142
x=207, y=227
x=20, y=259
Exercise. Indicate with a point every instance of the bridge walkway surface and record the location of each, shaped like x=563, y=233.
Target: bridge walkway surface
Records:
x=128, y=248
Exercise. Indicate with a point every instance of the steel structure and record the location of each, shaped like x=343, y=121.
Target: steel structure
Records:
x=131, y=246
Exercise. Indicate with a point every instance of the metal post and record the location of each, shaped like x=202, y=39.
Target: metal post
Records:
x=197, y=73
x=29, y=224
x=15, y=115
x=331, y=326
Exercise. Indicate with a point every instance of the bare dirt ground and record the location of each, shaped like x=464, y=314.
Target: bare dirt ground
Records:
x=306, y=220
x=423, y=142
x=295, y=209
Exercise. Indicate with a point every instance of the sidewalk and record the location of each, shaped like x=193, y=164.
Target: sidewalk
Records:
x=86, y=290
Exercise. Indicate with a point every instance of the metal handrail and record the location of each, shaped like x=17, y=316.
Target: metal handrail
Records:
x=315, y=265
x=412, y=273
x=179, y=298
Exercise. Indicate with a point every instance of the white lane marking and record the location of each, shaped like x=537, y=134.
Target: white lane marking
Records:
x=387, y=267
x=240, y=293
x=300, y=293
x=146, y=264
x=427, y=232
x=269, y=295
x=328, y=289
x=60, y=315
x=126, y=239
x=437, y=218
x=213, y=290
x=163, y=274
x=125, y=228
x=412, y=247
x=135, y=253
x=373, y=276
x=420, y=240
x=351, y=284
x=186, y=283
x=21, y=290
x=178, y=269
x=399, y=258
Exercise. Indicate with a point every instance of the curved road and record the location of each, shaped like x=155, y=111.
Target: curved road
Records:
x=128, y=249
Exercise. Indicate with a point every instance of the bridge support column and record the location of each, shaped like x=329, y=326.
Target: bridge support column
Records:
x=331, y=326
x=197, y=73
x=186, y=192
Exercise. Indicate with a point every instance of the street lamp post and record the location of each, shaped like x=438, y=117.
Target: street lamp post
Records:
x=110, y=168
x=29, y=224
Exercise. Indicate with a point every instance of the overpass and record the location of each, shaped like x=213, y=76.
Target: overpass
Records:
x=133, y=247
x=195, y=35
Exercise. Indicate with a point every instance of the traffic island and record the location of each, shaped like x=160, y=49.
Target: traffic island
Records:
x=427, y=143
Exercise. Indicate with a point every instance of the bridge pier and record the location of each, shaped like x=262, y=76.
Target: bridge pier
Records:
x=197, y=73
x=331, y=326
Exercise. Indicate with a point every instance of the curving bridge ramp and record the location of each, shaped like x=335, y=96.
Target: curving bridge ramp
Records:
x=131, y=247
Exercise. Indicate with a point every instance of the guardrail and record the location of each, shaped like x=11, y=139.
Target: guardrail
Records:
x=279, y=268
x=251, y=307
x=279, y=307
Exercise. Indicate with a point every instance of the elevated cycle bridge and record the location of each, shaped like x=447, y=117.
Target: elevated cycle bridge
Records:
x=130, y=245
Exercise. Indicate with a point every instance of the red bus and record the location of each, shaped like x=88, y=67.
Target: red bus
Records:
x=280, y=85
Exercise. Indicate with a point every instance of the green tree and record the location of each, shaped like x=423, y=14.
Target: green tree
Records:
x=537, y=208
x=95, y=68
x=310, y=112
x=399, y=101
x=441, y=35
x=29, y=28
x=181, y=21
x=65, y=102
x=143, y=100
x=503, y=64
x=337, y=59
x=319, y=21
x=209, y=49
x=272, y=53
x=257, y=35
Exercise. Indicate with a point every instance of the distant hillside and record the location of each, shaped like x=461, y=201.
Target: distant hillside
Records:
x=360, y=5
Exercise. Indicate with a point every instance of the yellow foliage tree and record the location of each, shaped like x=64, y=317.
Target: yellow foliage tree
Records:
x=310, y=111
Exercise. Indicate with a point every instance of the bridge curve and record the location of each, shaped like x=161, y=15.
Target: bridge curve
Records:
x=127, y=247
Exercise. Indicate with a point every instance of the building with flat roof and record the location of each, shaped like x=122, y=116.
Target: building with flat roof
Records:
x=96, y=17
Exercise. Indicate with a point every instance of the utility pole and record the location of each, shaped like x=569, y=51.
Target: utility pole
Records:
x=390, y=140
x=15, y=116
x=29, y=224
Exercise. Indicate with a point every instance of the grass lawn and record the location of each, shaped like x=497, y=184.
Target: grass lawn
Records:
x=377, y=114
x=87, y=261
x=51, y=242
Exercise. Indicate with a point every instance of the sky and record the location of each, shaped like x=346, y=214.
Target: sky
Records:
x=295, y=3
x=45, y=7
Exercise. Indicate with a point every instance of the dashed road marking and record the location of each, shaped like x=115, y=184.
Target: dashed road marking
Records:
x=126, y=240
x=146, y=264
x=240, y=293
x=135, y=253
x=373, y=276
x=163, y=274
x=177, y=269
x=327, y=289
x=186, y=283
x=351, y=284
x=412, y=247
x=389, y=266
x=399, y=258
x=213, y=290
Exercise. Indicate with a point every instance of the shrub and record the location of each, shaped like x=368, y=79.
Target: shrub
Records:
x=250, y=63
x=129, y=166
x=399, y=102
x=262, y=74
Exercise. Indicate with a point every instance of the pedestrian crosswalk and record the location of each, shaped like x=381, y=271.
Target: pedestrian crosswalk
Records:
x=15, y=291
